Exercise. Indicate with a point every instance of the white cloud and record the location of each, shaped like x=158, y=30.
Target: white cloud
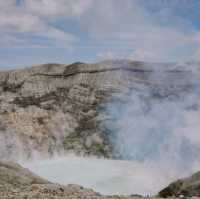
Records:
x=113, y=24
x=196, y=56
x=128, y=24
x=52, y=8
x=19, y=20
x=141, y=54
x=7, y=4
x=107, y=55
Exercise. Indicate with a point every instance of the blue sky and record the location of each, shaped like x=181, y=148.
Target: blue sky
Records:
x=64, y=31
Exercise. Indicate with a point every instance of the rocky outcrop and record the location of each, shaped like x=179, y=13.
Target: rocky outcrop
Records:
x=188, y=187
x=56, y=108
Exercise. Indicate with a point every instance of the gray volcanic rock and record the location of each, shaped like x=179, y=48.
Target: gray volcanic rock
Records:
x=189, y=186
x=56, y=108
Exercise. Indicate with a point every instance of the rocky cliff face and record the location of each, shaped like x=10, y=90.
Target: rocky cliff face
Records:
x=56, y=108
x=52, y=108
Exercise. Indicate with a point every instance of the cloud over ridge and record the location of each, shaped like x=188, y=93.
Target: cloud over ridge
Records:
x=140, y=30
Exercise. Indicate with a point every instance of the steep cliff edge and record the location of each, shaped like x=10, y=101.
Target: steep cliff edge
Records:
x=56, y=108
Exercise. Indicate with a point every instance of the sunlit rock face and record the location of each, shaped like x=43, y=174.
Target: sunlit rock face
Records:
x=56, y=109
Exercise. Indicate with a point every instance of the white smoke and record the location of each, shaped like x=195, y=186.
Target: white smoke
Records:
x=160, y=122
x=108, y=177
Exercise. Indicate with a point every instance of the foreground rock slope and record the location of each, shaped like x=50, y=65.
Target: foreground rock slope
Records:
x=189, y=186
x=56, y=108
x=19, y=183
